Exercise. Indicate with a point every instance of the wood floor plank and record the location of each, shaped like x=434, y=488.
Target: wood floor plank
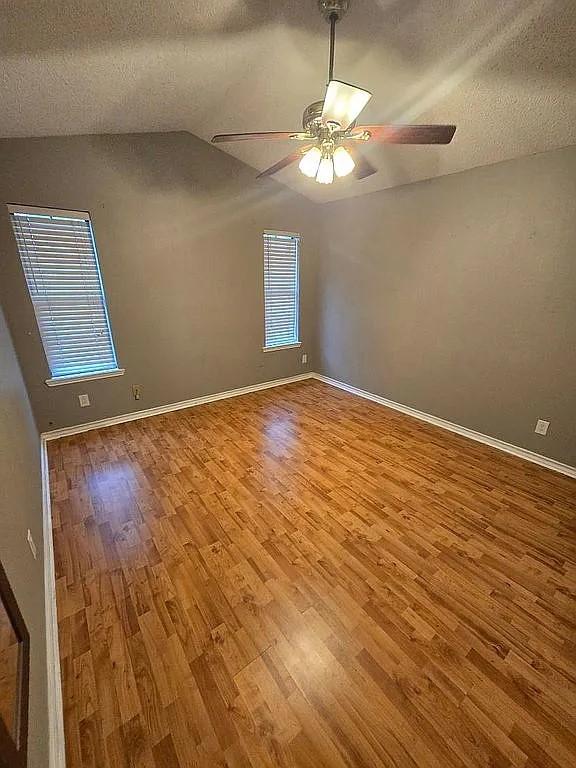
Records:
x=298, y=577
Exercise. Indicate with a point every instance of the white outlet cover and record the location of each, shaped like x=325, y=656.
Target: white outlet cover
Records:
x=304, y=358
x=541, y=427
x=31, y=544
x=84, y=400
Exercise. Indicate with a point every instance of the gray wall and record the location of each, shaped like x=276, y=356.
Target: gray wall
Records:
x=178, y=225
x=20, y=510
x=457, y=296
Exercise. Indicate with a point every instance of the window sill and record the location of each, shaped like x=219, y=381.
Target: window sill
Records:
x=58, y=382
x=282, y=346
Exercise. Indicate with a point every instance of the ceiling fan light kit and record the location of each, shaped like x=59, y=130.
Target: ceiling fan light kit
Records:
x=310, y=162
x=325, y=173
x=330, y=129
x=343, y=162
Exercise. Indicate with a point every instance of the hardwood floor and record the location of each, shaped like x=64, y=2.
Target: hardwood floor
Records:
x=299, y=577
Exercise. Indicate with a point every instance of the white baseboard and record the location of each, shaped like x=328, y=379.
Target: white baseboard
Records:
x=479, y=437
x=56, y=746
x=56, y=433
x=515, y=450
x=57, y=758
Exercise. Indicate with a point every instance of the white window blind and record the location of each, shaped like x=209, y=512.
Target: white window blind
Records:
x=60, y=262
x=281, y=289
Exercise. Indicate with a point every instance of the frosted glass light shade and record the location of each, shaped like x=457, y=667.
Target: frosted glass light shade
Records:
x=325, y=173
x=310, y=162
x=343, y=162
x=343, y=103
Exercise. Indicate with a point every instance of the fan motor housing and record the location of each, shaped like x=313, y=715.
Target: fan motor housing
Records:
x=312, y=121
x=312, y=116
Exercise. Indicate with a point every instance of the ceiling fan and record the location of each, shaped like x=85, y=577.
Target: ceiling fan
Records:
x=330, y=133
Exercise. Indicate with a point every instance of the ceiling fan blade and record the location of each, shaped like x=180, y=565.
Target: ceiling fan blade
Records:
x=286, y=161
x=279, y=135
x=343, y=103
x=362, y=167
x=409, y=134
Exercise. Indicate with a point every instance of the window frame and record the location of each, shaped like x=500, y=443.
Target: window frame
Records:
x=56, y=381
x=298, y=342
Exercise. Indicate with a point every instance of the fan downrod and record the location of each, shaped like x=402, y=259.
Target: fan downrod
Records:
x=333, y=9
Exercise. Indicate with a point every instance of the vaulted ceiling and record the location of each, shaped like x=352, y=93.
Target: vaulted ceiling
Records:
x=503, y=70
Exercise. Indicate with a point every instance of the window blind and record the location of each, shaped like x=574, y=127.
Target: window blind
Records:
x=60, y=263
x=281, y=289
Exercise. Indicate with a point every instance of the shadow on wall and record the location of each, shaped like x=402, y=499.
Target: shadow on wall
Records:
x=180, y=161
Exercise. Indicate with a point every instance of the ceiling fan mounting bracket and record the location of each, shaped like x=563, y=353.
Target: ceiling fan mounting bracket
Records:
x=333, y=8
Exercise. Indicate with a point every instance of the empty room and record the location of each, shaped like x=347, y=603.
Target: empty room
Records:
x=288, y=384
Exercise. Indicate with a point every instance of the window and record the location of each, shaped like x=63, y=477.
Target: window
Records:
x=59, y=259
x=281, y=290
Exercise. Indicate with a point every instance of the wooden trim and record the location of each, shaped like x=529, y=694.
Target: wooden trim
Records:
x=280, y=347
x=60, y=381
x=401, y=566
x=479, y=437
x=501, y=445
x=56, y=745
x=295, y=235
x=66, y=431
x=14, y=752
x=35, y=210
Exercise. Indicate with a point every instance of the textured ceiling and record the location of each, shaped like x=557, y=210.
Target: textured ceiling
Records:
x=503, y=70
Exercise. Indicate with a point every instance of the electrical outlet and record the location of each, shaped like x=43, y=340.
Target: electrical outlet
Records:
x=136, y=391
x=304, y=358
x=31, y=544
x=84, y=401
x=541, y=427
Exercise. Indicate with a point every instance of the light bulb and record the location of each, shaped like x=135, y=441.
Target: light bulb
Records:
x=325, y=173
x=343, y=162
x=310, y=161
